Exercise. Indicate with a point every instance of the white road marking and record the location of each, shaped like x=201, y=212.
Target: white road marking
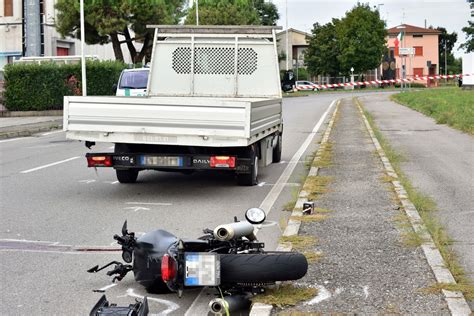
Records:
x=14, y=139
x=87, y=181
x=115, y=182
x=290, y=184
x=105, y=288
x=272, y=196
x=51, y=133
x=261, y=184
x=146, y=203
x=50, y=165
x=136, y=208
x=323, y=295
x=269, y=200
x=171, y=306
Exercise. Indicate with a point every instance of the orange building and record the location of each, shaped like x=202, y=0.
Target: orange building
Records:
x=424, y=44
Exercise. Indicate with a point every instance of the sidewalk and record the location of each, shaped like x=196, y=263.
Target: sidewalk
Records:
x=439, y=162
x=365, y=268
x=28, y=125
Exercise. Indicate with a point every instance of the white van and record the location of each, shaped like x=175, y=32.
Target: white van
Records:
x=132, y=82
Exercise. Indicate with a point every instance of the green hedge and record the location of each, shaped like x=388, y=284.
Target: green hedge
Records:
x=33, y=87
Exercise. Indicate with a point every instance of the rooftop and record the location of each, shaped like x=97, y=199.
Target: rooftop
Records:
x=411, y=29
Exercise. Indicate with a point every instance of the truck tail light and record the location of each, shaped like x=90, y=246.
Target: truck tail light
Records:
x=99, y=161
x=168, y=268
x=222, y=162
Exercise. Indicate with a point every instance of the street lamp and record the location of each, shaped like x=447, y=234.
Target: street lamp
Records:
x=83, y=58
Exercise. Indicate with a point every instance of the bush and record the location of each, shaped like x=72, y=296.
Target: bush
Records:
x=33, y=87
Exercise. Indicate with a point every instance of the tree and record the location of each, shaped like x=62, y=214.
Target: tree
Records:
x=447, y=40
x=106, y=20
x=469, y=44
x=321, y=54
x=361, y=39
x=234, y=12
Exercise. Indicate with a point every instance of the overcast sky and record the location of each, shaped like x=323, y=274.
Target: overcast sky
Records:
x=450, y=14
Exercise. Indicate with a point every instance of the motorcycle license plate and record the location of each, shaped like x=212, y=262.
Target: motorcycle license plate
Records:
x=161, y=161
x=202, y=269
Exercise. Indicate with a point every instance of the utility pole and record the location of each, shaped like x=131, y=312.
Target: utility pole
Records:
x=445, y=60
x=83, y=57
x=197, y=12
x=380, y=15
x=287, y=42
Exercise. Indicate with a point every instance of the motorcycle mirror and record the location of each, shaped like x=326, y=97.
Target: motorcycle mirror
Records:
x=255, y=215
x=124, y=228
x=127, y=256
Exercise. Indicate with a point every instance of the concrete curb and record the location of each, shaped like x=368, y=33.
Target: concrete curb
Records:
x=293, y=226
x=31, y=113
x=456, y=302
x=30, y=129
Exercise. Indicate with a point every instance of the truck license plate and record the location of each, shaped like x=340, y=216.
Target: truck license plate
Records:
x=202, y=269
x=161, y=161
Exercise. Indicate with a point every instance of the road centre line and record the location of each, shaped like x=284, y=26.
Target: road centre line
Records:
x=13, y=139
x=50, y=165
x=200, y=303
x=51, y=133
x=147, y=203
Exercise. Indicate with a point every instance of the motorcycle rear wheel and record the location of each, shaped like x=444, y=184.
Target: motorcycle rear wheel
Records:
x=262, y=268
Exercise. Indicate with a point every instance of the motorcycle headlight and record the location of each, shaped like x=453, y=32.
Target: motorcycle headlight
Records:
x=255, y=215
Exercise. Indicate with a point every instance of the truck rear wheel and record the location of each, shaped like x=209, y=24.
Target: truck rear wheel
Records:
x=249, y=179
x=125, y=175
x=277, y=149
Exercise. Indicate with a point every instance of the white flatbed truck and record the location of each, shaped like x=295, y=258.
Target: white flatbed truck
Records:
x=213, y=103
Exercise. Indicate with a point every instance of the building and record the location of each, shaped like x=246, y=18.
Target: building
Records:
x=36, y=19
x=424, y=46
x=298, y=41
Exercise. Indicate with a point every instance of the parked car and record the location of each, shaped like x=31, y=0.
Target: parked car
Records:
x=306, y=85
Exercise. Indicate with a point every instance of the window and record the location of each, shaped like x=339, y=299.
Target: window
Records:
x=417, y=35
x=8, y=8
x=392, y=52
x=418, y=72
x=418, y=50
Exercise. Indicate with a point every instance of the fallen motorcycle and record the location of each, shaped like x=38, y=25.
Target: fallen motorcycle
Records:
x=229, y=258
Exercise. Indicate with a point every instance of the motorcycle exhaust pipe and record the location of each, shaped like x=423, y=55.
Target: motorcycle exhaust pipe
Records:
x=232, y=303
x=234, y=230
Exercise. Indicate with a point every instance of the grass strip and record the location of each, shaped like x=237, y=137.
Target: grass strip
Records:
x=425, y=206
x=299, y=243
x=285, y=295
x=310, y=218
x=312, y=256
x=452, y=106
x=316, y=186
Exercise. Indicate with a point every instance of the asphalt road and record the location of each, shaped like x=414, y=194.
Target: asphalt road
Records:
x=52, y=204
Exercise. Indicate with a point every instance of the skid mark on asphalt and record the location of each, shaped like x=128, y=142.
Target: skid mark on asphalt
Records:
x=170, y=306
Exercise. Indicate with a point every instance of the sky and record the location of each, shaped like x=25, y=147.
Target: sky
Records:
x=450, y=14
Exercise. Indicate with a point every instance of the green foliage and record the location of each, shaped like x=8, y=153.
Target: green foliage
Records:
x=33, y=87
x=234, y=12
x=448, y=40
x=451, y=106
x=469, y=30
x=106, y=19
x=301, y=74
x=321, y=55
x=361, y=38
x=357, y=40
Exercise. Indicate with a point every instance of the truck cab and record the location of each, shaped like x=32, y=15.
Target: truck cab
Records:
x=132, y=82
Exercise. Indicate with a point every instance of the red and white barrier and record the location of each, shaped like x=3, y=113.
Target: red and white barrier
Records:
x=360, y=83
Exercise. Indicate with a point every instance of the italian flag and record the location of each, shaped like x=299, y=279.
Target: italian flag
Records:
x=399, y=38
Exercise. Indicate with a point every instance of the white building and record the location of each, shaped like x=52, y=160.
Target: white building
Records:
x=12, y=33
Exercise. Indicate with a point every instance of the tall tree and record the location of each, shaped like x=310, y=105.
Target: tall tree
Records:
x=361, y=39
x=321, y=55
x=469, y=44
x=233, y=12
x=446, y=42
x=118, y=22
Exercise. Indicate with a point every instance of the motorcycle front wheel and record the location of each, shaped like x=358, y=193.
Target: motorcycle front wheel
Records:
x=262, y=268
